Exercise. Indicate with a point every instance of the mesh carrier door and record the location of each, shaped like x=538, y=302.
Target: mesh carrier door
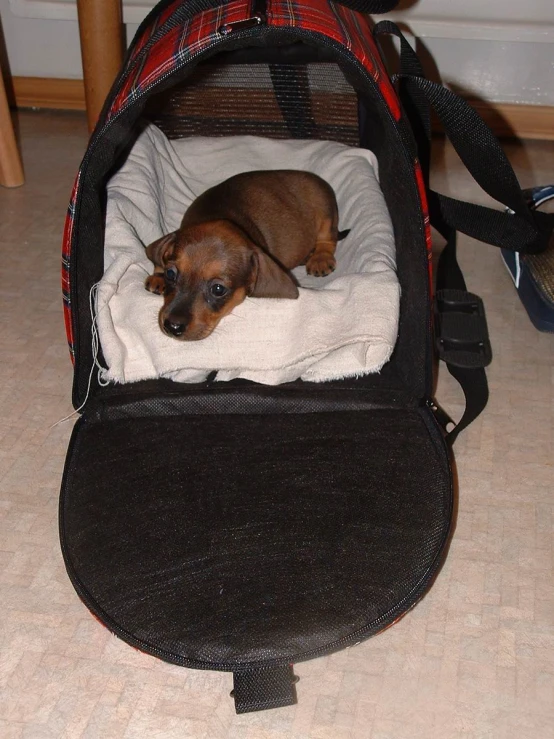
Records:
x=218, y=540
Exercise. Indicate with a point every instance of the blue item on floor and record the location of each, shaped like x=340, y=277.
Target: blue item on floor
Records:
x=533, y=274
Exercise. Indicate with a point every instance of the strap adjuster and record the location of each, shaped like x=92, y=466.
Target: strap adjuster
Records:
x=461, y=329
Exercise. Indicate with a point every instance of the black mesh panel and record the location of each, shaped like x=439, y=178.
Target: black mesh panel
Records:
x=275, y=100
x=231, y=539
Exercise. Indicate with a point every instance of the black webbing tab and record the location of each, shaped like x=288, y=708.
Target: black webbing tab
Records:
x=258, y=689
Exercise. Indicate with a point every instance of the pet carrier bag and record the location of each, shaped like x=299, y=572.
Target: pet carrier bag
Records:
x=226, y=523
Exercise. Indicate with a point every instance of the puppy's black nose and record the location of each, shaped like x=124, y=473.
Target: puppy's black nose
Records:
x=177, y=329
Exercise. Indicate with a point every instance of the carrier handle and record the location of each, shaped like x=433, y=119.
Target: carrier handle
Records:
x=521, y=230
x=189, y=8
x=451, y=287
x=370, y=6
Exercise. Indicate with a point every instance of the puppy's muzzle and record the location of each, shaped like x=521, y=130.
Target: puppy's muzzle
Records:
x=175, y=329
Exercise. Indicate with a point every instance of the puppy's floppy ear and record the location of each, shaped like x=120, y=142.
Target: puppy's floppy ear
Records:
x=159, y=251
x=269, y=279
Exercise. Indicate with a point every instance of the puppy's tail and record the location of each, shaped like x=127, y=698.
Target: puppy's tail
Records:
x=343, y=234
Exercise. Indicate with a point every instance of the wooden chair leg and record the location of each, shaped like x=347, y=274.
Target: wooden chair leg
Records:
x=11, y=170
x=102, y=48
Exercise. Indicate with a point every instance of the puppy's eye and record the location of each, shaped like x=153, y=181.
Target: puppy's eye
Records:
x=171, y=274
x=218, y=290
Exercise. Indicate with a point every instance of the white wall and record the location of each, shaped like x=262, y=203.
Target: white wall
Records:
x=500, y=50
x=41, y=48
x=42, y=37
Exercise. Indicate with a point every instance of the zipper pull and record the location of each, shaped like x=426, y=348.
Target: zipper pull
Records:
x=257, y=18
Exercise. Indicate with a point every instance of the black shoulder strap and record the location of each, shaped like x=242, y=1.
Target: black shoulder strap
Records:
x=462, y=336
x=523, y=229
x=460, y=324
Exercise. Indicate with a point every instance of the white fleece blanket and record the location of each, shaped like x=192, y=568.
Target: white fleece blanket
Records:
x=340, y=326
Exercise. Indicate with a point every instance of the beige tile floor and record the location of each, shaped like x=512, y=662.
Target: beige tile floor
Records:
x=475, y=659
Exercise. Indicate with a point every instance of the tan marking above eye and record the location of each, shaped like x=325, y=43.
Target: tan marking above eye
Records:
x=213, y=270
x=181, y=261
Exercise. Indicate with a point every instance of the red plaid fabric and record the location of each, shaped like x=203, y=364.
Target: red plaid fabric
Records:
x=176, y=48
x=426, y=220
x=158, y=22
x=351, y=30
x=179, y=45
x=66, y=257
x=323, y=17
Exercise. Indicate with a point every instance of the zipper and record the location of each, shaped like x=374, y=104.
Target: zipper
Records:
x=183, y=13
x=258, y=17
x=244, y=25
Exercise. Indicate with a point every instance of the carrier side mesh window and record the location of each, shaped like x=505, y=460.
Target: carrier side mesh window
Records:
x=275, y=100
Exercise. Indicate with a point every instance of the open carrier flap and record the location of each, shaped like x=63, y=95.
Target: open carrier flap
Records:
x=239, y=527
x=248, y=530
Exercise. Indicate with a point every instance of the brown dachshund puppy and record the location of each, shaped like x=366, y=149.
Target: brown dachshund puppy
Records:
x=238, y=239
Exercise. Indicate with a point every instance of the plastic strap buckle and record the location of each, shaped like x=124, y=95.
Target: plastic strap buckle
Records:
x=461, y=329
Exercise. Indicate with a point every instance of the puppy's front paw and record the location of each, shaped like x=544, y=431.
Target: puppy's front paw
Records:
x=155, y=284
x=321, y=264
